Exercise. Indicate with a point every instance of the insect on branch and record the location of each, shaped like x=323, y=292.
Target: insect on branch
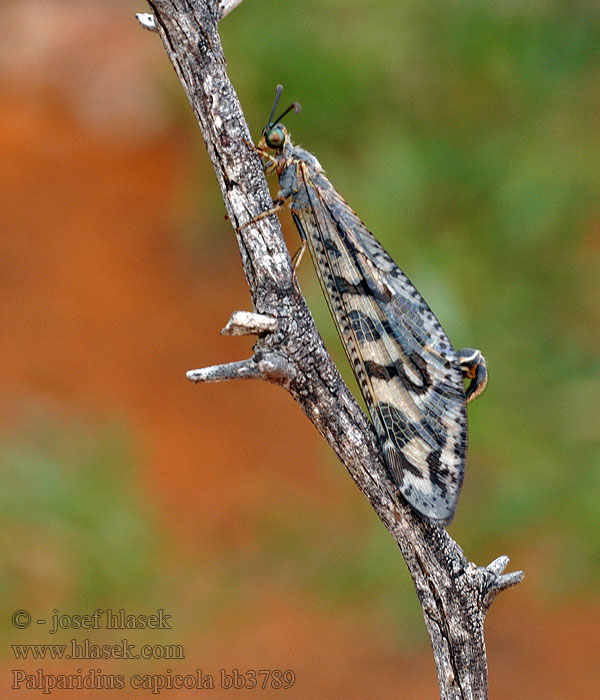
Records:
x=454, y=593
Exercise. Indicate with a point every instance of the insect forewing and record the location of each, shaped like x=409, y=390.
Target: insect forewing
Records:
x=406, y=367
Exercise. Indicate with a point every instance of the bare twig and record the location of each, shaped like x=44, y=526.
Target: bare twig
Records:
x=269, y=366
x=247, y=323
x=244, y=369
x=227, y=6
x=147, y=21
x=454, y=593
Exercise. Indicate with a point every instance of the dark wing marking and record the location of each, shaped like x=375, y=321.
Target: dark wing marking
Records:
x=406, y=367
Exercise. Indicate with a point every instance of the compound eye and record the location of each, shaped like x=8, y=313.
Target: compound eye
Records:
x=274, y=138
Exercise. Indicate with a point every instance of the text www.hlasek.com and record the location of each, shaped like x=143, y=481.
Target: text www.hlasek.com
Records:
x=86, y=650
x=94, y=679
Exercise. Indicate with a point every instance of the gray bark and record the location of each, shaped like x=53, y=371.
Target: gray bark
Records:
x=454, y=593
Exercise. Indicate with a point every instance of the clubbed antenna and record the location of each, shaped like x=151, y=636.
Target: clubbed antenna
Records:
x=294, y=106
x=278, y=91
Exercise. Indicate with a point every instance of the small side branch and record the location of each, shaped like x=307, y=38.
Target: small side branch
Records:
x=270, y=366
x=226, y=6
x=495, y=580
x=243, y=369
x=248, y=323
x=147, y=21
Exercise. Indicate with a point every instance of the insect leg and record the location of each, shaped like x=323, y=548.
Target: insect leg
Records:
x=473, y=366
x=277, y=205
x=262, y=152
x=297, y=257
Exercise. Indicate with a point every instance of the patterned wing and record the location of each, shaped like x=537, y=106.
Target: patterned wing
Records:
x=406, y=367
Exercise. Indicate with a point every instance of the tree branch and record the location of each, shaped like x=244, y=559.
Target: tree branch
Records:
x=454, y=593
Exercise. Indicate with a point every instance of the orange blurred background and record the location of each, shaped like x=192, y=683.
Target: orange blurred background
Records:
x=127, y=486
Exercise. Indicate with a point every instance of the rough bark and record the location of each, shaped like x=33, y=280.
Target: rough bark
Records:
x=454, y=593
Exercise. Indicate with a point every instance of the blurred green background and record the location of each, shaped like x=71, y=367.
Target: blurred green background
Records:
x=465, y=135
